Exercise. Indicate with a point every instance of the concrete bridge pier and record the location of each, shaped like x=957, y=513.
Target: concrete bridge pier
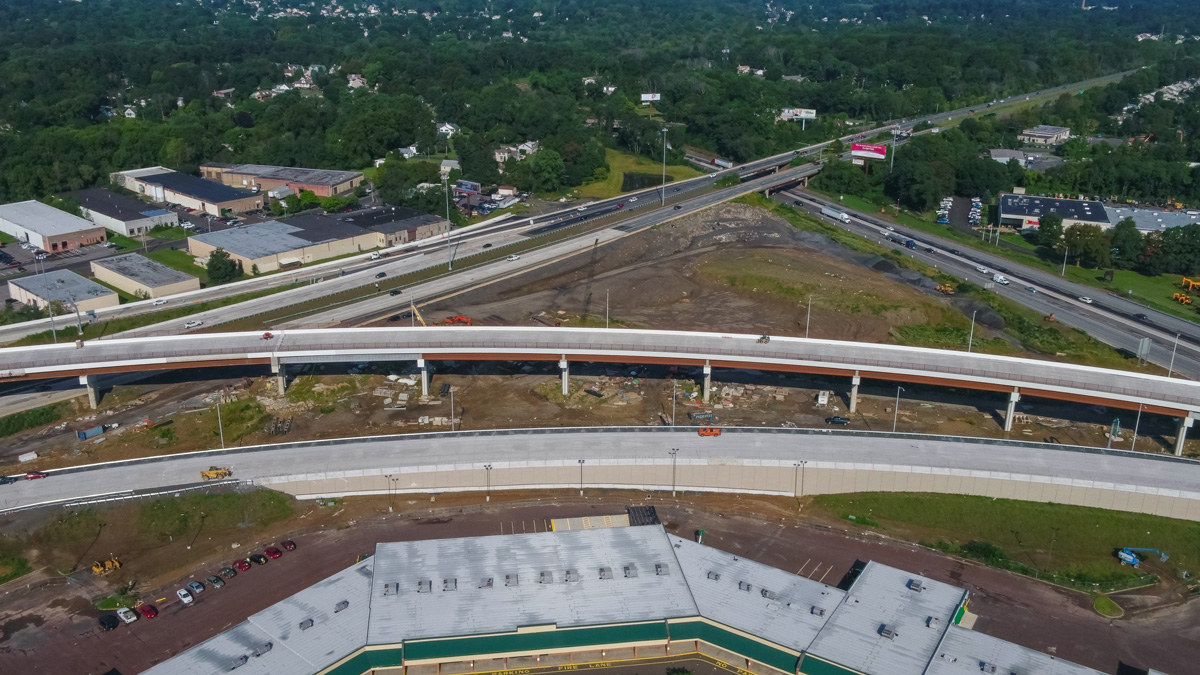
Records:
x=707, y=380
x=1181, y=434
x=1012, y=408
x=566, y=375
x=854, y=382
x=93, y=389
x=424, y=376
x=280, y=371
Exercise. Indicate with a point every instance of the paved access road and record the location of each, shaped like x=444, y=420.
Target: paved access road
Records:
x=1108, y=318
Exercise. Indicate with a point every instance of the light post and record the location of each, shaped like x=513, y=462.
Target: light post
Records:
x=581, y=477
x=452, y=427
x=1136, y=423
x=798, y=478
x=220, y=426
x=1170, y=368
x=606, y=308
x=449, y=249
x=664, y=167
x=387, y=485
x=672, y=453
x=674, y=395
x=971, y=336
x=488, y=494
x=1063, y=273
x=808, y=318
x=896, y=410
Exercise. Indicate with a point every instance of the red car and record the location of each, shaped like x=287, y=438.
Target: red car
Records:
x=273, y=552
x=148, y=611
x=34, y=475
x=288, y=545
x=242, y=565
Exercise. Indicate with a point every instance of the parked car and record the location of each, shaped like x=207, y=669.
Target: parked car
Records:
x=273, y=552
x=258, y=559
x=109, y=622
x=215, y=581
x=242, y=565
x=288, y=545
x=195, y=587
x=192, y=324
x=148, y=611
x=184, y=596
x=127, y=615
x=837, y=419
x=5, y=480
x=228, y=572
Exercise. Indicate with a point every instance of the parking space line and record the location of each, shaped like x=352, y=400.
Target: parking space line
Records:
x=801, y=570
x=822, y=579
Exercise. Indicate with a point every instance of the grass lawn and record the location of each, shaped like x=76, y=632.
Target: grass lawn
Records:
x=169, y=233
x=1074, y=545
x=12, y=567
x=30, y=419
x=7, y=238
x=181, y=261
x=123, y=242
x=619, y=163
x=1106, y=607
x=179, y=517
x=113, y=602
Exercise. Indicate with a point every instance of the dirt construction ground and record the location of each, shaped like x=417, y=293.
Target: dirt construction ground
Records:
x=47, y=624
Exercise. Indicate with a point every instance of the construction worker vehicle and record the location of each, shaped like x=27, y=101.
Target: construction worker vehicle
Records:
x=762, y=340
x=216, y=473
x=1182, y=298
x=107, y=567
x=1190, y=284
x=710, y=431
x=1128, y=556
x=945, y=288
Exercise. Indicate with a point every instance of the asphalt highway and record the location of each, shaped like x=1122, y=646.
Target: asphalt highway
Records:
x=646, y=448
x=1108, y=318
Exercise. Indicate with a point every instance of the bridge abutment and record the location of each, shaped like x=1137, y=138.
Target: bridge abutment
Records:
x=93, y=389
x=566, y=375
x=707, y=381
x=854, y=382
x=1012, y=408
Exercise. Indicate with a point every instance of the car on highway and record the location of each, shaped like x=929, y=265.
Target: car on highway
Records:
x=148, y=611
x=678, y=207
x=487, y=245
x=272, y=552
x=192, y=324
x=258, y=559
x=956, y=251
x=34, y=475
x=381, y=275
x=127, y=615
x=797, y=202
x=1085, y=300
x=195, y=587
x=287, y=545
x=1031, y=289
x=632, y=199
x=242, y=565
x=159, y=302
x=228, y=572
x=394, y=292
x=621, y=205
x=184, y=596
x=215, y=581
x=512, y=258
x=6, y=480
x=981, y=269
x=837, y=419
x=109, y=622
x=582, y=208
x=930, y=249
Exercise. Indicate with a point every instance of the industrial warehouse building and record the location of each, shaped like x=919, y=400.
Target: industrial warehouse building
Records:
x=1151, y=220
x=276, y=244
x=1045, y=135
x=140, y=276
x=172, y=187
x=64, y=286
x=48, y=228
x=121, y=214
x=321, y=182
x=1023, y=211
x=601, y=597
x=397, y=225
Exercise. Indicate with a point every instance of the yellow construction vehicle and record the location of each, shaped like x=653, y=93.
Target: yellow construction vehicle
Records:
x=1190, y=284
x=945, y=288
x=1182, y=298
x=107, y=567
x=420, y=318
x=216, y=473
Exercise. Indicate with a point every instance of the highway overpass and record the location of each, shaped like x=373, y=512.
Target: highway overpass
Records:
x=1015, y=377
x=786, y=462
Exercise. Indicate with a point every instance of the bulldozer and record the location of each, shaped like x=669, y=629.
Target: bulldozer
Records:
x=107, y=567
x=216, y=473
x=1182, y=298
x=945, y=288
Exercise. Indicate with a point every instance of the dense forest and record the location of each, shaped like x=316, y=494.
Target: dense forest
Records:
x=507, y=72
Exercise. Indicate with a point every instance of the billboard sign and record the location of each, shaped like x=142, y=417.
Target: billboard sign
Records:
x=646, y=98
x=468, y=186
x=868, y=151
x=806, y=114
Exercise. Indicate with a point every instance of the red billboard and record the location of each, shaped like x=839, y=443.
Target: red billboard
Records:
x=868, y=151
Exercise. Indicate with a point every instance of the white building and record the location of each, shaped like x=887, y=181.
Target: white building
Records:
x=48, y=228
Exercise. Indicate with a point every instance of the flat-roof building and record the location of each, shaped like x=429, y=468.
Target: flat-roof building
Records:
x=1150, y=220
x=142, y=277
x=1045, y=135
x=263, y=177
x=591, y=597
x=48, y=228
x=396, y=224
x=295, y=241
x=121, y=214
x=63, y=286
x=198, y=194
x=1025, y=211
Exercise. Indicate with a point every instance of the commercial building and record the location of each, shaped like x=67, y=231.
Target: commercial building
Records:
x=48, y=228
x=142, y=277
x=63, y=286
x=1045, y=135
x=276, y=244
x=1024, y=211
x=198, y=194
x=397, y=225
x=261, y=177
x=1150, y=220
x=588, y=598
x=121, y=214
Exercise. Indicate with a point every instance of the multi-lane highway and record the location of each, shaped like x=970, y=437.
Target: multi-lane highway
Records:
x=1108, y=318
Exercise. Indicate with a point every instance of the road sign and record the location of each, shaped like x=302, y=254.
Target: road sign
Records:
x=1144, y=348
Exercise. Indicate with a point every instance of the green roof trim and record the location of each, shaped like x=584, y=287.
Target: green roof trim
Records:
x=738, y=644
x=366, y=660
x=532, y=642
x=812, y=665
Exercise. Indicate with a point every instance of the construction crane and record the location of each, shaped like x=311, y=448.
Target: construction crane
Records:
x=1128, y=556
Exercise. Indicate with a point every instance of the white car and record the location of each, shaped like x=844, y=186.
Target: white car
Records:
x=981, y=270
x=159, y=302
x=1086, y=300
x=633, y=199
x=891, y=229
x=582, y=208
x=513, y=257
x=192, y=324
x=184, y=596
x=127, y=615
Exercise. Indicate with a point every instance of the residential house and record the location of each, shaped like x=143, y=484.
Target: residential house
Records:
x=447, y=129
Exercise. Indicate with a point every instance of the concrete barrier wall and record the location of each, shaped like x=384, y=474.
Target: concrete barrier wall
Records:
x=745, y=476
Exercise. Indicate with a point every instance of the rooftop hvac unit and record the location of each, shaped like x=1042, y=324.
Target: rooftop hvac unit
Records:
x=770, y=595
x=571, y=575
x=425, y=586
x=391, y=588
x=915, y=585
x=511, y=580
x=818, y=611
x=341, y=606
x=631, y=571
x=263, y=648
x=715, y=576
x=606, y=573
x=238, y=662
x=744, y=586
x=545, y=578
x=661, y=570
x=306, y=624
x=887, y=632
x=485, y=582
x=987, y=667
x=449, y=584
x=933, y=622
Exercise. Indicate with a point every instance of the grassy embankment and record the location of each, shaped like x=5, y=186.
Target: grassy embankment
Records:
x=620, y=163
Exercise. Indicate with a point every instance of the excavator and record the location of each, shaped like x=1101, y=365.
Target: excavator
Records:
x=1128, y=556
x=457, y=320
x=1190, y=284
x=417, y=314
x=1182, y=298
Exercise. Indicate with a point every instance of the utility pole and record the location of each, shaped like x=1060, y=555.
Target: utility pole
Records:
x=808, y=319
x=1170, y=369
x=449, y=250
x=971, y=336
x=896, y=410
x=1063, y=273
x=488, y=494
x=606, y=308
x=412, y=312
x=672, y=453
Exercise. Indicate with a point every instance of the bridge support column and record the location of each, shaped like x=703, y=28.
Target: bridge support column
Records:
x=854, y=382
x=1181, y=434
x=93, y=389
x=424, y=377
x=566, y=375
x=1012, y=408
x=280, y=371
x=707, y=381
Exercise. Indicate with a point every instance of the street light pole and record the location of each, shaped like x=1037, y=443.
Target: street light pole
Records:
x=672, y=453
x=1170, y=369
x=971, y=337
x=896, y=410
x=449, y=250
x=581, y=477
x=488, y=494
x=452, y=428
x=1063, y=273
x=1138, y=421
x=220, y=425
x=674, y=395
x=606, y=308
x=808, y=318
x=664, y=167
